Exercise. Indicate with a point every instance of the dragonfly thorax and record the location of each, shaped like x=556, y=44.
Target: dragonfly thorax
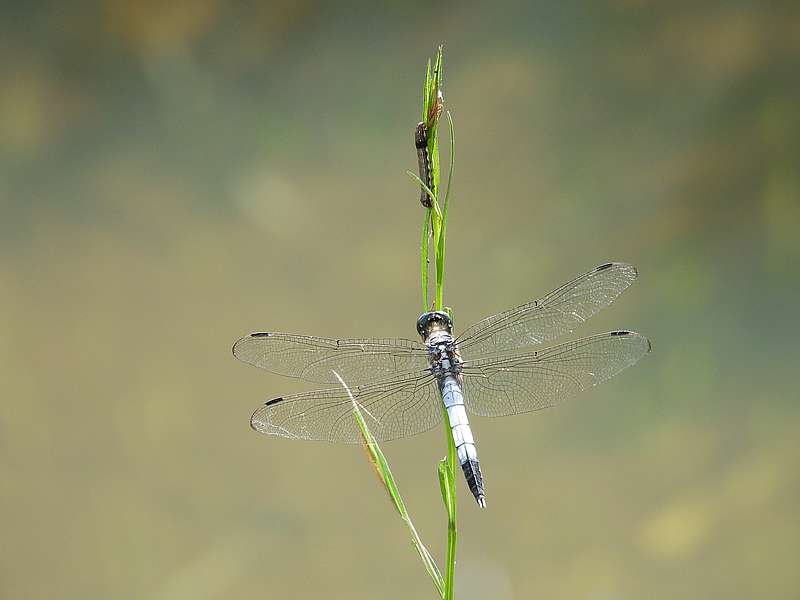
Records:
x=443, y=354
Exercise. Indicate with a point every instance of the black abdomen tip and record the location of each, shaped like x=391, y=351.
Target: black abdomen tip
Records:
x=472, y=472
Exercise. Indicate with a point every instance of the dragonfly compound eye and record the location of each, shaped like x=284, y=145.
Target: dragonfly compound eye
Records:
x=434, y=321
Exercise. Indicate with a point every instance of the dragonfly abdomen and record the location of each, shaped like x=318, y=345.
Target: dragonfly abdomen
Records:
x=462, y=436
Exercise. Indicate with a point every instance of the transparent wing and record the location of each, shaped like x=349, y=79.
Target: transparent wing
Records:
x=495, y=387
x=314, y=358
x=393, y=408
x=555, y=314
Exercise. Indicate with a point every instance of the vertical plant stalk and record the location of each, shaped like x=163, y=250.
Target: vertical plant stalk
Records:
x=432, y=105
x=424, y=253
x=442, y=234
x=447, y=483
x=434, y=229
x=431, y=110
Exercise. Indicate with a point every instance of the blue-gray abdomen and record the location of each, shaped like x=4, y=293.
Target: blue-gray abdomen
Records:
x=462, y=435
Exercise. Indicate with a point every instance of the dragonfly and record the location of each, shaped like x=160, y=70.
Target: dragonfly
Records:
x=493, y=368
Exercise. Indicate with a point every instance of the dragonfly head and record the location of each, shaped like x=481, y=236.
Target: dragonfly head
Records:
x=434, y=321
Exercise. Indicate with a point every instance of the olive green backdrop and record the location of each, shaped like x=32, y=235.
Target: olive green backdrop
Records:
x=175, y=175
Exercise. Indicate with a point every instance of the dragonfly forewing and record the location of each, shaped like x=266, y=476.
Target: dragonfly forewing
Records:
x=314, y=358
x=549, y=317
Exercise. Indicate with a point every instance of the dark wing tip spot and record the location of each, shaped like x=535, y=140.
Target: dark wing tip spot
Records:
x=260, y=334
x=273, y=401
x=624, y=266
x=625, y=332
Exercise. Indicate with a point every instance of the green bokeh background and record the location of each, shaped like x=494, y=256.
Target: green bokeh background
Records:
x=175, y=175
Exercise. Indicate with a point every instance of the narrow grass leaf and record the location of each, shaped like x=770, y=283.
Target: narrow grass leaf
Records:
x=424, y=186
x=424, y=258
x=426, y=91
x=445, y=484
x=440, y=250
x=385, y=476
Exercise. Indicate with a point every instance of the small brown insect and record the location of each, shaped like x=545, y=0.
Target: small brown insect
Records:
x=436, y=109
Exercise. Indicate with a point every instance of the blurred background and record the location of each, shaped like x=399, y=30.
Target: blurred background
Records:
x=176, y=175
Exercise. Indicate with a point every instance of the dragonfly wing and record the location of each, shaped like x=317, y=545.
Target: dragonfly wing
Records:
x=555, y=314
x=395, y=407
x=509, y=385
x=314, y=358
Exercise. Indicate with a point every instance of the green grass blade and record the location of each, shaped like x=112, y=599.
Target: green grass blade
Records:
x=433, y=110
x=434, y=202
x=381, y=466
x=424, y=258
x=426, y=92
x=440, y=251
x=445, y=483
